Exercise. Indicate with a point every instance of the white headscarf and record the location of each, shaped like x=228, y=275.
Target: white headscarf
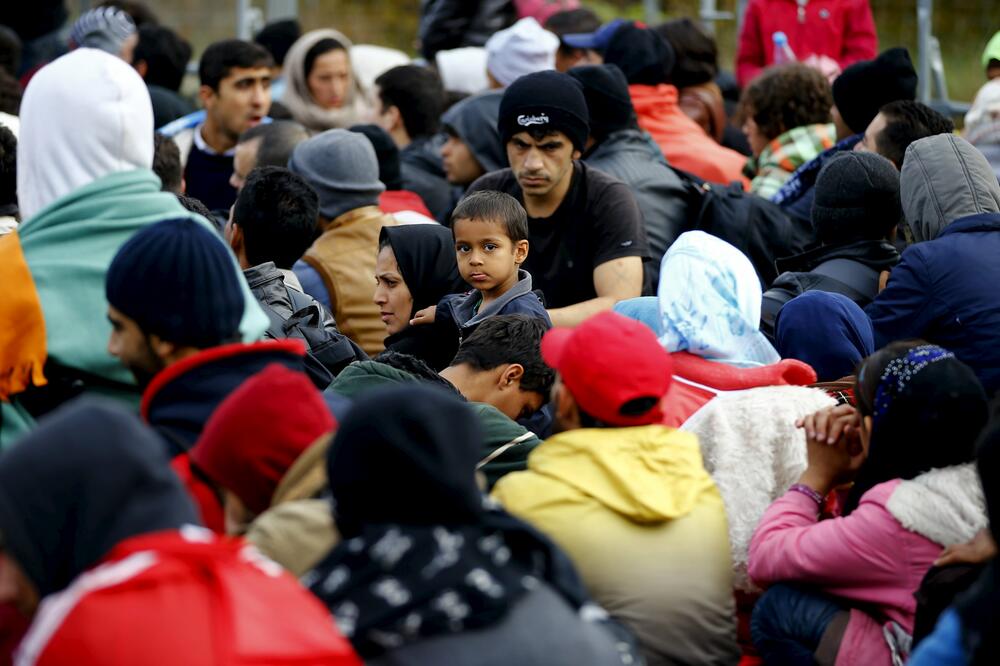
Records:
x=300, y=101
x=83, y=116
x=709, y=300
x=982, y=122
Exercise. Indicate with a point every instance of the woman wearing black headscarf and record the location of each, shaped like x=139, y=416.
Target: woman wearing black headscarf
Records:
x=428, y=570
x=415, y=268
x=907, y=449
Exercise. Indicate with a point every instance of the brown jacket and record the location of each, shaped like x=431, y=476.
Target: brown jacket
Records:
x=344, y=256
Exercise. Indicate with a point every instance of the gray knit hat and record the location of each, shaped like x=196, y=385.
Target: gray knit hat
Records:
x=104, y=28
x=856, y=198
x=341, y=166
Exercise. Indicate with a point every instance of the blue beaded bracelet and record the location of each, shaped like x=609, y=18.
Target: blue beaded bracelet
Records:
x=808, y=492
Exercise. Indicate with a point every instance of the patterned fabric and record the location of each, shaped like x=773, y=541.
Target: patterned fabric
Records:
x=396, y=584
x=710, y=298
x=805, y=176
x=785, y=154
x=901, y=371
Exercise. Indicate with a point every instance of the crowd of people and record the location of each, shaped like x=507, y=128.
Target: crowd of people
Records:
x=556, y=344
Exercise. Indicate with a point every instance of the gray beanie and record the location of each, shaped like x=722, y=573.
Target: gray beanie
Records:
x=341, y=166
x=856, y=198
x=104, y=28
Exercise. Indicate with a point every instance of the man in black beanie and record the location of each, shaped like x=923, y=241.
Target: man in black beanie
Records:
x=585, y=228
x=175, y=304
x=855, y=213
x=620, y=149
x=858, y=94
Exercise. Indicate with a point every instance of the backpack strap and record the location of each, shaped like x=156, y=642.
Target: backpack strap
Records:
x=856, y=276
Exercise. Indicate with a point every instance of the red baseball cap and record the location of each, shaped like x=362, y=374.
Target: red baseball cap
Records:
x=613, y=366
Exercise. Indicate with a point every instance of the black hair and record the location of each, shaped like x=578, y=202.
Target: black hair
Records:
x=10, y=94
x=696, y=53
x=277, y=212
x=412, y=365
x=278, y=36
x=277, y=141
x=504, y=339
x=166, y=56
x=570, y=22
x=8, y=167
x=906, y=122
x=167, y=163
x=221, y=57
x=390, y=171
x=138, y=11
x=193, y=205
x=10, y=51
x=418, y=94
x=497, y=207
x=318, y=49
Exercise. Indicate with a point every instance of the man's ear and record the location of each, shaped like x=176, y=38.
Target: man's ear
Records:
x=576, y=154
x=395, y=118
x=206, y=94
x=566, y=410
x=510, y=377
x=236, y=238
x=142, y=67
x=164, y=350
x=520, y=251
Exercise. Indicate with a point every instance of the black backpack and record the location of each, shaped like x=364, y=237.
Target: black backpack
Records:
x=758, y=228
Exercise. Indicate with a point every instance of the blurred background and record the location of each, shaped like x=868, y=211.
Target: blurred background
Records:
x=961, y=26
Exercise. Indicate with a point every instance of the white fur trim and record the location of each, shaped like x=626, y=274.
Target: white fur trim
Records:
x=754, y=452
x=944, y=505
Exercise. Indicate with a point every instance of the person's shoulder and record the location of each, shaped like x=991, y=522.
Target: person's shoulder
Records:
x=502, y=181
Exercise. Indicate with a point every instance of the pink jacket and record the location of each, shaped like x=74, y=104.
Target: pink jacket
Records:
x=841, y=29
x=867, y=557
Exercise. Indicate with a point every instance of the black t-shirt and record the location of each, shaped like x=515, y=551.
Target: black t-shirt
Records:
x=599, y=220
x=206, y=176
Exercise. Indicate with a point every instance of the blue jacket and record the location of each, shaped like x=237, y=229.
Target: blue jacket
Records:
x=458, y=311
x=947, y=291
x=944, y=647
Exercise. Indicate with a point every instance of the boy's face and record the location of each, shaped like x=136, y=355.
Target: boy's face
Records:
x=487, y=258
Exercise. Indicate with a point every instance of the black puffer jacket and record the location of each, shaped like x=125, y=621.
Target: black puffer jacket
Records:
x=851, y=270
x=296, y=315
x=451, y=24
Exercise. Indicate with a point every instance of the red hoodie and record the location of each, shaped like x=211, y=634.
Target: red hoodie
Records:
x=184, y=597
x=840, y=29
x=683, y=141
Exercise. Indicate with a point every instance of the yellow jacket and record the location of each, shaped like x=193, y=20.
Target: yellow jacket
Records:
x=645, y=525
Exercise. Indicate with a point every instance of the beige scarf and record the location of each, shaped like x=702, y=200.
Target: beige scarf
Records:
x=300, y=101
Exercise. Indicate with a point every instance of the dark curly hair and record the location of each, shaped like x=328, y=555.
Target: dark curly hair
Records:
x=786, y=97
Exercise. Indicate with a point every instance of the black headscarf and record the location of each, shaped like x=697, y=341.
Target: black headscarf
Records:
x=928, y=411
x=424, y=552
x=90, y=476
x=425, y=254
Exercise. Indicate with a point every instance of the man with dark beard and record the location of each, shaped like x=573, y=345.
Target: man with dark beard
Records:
x=175, y=305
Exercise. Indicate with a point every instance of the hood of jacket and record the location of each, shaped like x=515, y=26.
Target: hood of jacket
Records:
x=648, y=474
x=877, y=255
x=945, y=178
x=462, y=306
x=944, y=505
x=181, y=398
x=84, y=116
x=87, y=478
x=363, y=376
x=474, y=120
x=624, y=141
x=424, y=153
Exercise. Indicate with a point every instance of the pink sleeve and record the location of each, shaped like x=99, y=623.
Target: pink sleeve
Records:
x=750, y=55
x=791, y=544
x=860, y=39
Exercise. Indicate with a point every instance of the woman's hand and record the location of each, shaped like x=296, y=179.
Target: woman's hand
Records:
x=834, y=447
x=980, y=549
x=425, y=316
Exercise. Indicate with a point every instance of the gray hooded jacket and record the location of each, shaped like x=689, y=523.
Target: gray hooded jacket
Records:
x=932, y=198
x=474, y=120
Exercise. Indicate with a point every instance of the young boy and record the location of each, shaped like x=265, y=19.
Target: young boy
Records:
x=491, y=243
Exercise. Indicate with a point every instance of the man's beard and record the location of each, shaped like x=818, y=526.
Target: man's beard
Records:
x=147, y=367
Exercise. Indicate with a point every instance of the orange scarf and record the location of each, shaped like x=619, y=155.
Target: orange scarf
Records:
x=22, y=325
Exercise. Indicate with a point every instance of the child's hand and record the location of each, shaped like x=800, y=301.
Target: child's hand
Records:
x=425, y=316
x=834, y=447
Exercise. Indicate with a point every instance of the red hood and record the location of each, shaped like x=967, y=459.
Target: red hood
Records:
x=397, y=201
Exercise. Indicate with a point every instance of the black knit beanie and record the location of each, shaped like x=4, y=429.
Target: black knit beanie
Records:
x=865, y=87
x=177, y=279
x=545, y=100
x=608, y=101
x=642, y=54
x=856, y=198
